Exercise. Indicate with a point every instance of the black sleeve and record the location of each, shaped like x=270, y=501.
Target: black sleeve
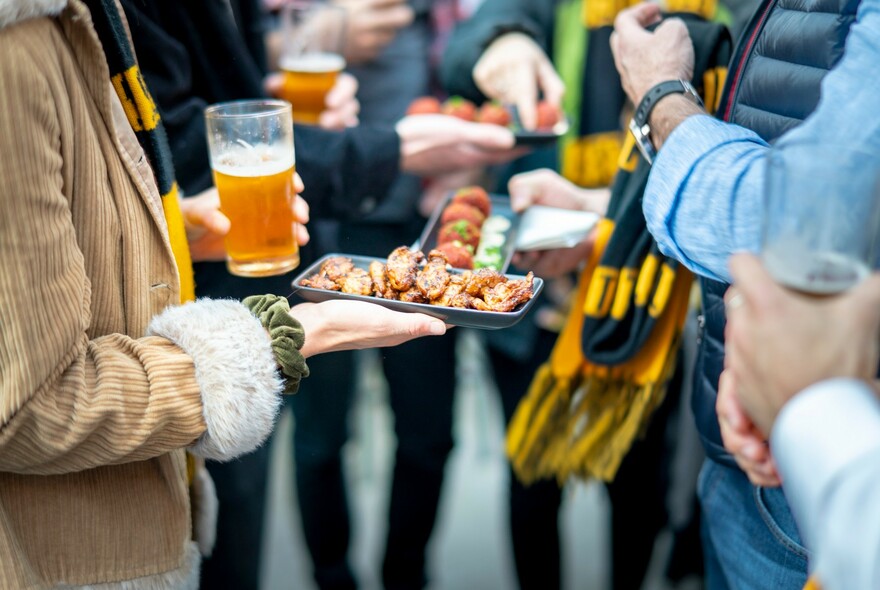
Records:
x=189, y=63
x=492, y=19
x=344, y=170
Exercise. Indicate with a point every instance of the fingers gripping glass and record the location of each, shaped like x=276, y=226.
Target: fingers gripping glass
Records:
x=313, y=35
x=253, y=159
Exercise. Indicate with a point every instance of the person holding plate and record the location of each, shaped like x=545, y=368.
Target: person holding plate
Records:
x=107, y=378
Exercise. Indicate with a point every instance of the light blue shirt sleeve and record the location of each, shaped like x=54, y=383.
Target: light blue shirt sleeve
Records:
x=826, y=443
x=703, y=201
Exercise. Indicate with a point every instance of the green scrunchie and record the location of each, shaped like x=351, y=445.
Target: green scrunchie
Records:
x=287, y=336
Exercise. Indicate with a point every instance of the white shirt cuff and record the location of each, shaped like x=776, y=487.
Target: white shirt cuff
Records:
x=818, y=433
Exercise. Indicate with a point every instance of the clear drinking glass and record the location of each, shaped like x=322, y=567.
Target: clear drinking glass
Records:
x=253, y=159
x=311, y=59
x=821, y=216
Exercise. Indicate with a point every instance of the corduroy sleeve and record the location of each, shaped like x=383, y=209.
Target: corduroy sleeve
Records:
x=69, y=402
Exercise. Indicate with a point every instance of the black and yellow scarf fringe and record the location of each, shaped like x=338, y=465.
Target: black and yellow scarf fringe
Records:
x=580, y=418
x=143, y=116
x=610, y=367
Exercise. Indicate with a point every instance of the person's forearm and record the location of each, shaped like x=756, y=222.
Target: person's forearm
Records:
x=668, y=114
x=826, y=442
x=703, y=199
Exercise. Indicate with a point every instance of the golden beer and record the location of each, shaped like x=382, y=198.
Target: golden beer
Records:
x=307, y=80
x=253, y=159
x=258, y=201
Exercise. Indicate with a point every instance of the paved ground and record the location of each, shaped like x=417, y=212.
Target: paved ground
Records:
x=470, y=549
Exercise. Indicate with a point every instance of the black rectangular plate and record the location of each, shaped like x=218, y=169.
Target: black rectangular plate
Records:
x=500, y=206
x=537, y=137
x=466, y=318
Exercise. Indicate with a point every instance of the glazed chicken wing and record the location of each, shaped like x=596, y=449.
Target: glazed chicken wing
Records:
x=320, y=281
x=509, y=295
x=329, y=274
x=482, y=279
x=380, y=281
x=413, y=295
x=356, y=282
x=432, y=279
x=403, y=264
x=336, y=267
x=453, y=288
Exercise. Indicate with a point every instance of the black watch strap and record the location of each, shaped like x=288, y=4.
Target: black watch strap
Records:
x=639, y=126
x=653, y=96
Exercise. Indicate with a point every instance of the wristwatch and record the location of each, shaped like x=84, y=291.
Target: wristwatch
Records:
x=639, y=126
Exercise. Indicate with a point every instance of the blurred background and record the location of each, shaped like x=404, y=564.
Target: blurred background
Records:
x=470, y=548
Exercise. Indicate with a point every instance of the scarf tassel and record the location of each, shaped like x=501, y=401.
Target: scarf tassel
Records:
x=581, y=427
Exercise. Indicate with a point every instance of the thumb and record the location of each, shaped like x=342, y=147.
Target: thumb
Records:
x=633, y=21
x=752, y=280
x=527, y=98
x=488, y=136
x=523, y=192
x=727, y=405
x=672, y=27
x=417, y=325
x=272, y=83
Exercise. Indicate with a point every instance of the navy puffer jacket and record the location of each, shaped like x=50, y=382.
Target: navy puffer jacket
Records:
x=773, y=85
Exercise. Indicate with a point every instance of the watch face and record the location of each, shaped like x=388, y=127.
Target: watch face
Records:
x=643, y=142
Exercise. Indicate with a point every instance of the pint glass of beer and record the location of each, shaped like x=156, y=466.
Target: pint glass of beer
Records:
x=311, y=57
x=252, y=156
x=821, y=215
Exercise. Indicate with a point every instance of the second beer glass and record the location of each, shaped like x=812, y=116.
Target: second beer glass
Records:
x=311, y=58
x=252, y=156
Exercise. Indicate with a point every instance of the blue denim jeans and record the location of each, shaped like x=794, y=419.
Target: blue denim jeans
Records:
x=750, y=538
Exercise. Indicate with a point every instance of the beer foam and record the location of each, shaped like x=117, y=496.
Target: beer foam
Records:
x=313, y=63
x=258, y=160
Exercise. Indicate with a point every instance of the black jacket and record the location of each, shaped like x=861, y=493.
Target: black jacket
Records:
x=493, y=18
x=797, y=41
x=195, y=53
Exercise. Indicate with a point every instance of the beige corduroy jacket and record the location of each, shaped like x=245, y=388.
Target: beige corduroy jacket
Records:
x=103, y=378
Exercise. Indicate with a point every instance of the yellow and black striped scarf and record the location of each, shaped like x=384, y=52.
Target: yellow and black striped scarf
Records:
x=610, y=366
x=143, y=116
x=595, y=99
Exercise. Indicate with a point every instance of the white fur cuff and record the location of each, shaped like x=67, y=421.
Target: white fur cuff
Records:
x=16, y=11
x=236, y=371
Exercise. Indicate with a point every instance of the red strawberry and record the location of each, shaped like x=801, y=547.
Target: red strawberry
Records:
x=548, y=116
x=456, y=211
x=493, y=113
x=474, y=196
x=426, y=105
x=458, y=255
x=460, y=231
x=459, y=107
